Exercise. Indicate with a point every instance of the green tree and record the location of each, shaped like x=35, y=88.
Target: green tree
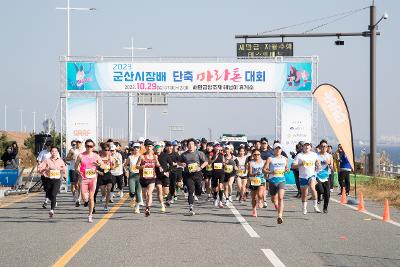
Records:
x=4, y=142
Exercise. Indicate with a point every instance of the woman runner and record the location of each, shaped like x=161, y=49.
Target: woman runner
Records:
x=257, y=180
x=133, y=180
x=241, y=180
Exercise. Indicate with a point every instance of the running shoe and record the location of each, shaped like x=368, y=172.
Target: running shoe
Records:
x=77, y=204
x=132, y=203
x=191, y=212
x=162, y=208
x=230, y=198
x=279, y=220
x=254, y=212
x=167, y=203
x=44, y=205
x=147, y=212
x=220, y=204
x=316, y=209
x=265, y=205
x=227, y=202
x=111, y=200
x=196, y=198
x=141, y=203
x=136, y=210
x=175, y=198
x=325, y=210
x=51, y=213
x=216, y=203
x=90, y=218
x=304, y=211
x=94, y=210
x=106, y=208
x=331, y=190
x=85, y=204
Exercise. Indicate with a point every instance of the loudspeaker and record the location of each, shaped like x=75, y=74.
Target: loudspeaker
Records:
x=40, y=140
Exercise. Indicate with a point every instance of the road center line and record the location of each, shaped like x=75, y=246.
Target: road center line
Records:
x=273, y=258
x=368, y=213
x=63, y=260
x=243, y=222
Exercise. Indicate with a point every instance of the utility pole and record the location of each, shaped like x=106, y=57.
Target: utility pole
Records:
x=20, y=113
x=371, y=33
x=5, y=117
x=34, y=121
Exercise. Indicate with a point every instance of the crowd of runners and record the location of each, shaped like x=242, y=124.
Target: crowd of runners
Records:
x=196, y=167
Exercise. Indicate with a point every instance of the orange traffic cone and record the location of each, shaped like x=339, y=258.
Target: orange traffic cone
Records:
x=343, y=199
x=386, y=213
x=361, y=207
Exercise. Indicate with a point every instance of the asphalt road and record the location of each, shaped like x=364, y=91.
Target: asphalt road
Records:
x=213, y=237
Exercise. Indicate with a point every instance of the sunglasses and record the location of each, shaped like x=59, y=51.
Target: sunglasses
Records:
x=73, y=144
x=256, y=154
x=89, y=146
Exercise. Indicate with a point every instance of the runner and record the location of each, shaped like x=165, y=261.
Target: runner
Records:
x=43, y=155
x=104, y=174
x=241, y=179
x=118, y=170
x=162, y=174
x=207, y=171
x=266, y=152
x=307, y=162
x=133, y=181
x=257, y=180
x=323, y=174
x=218, y=175
x=193, y=162
x=276, y=166
x=54, y=170
x=175, y=174
x=87, y=163
x=230, y=170
x=147, y=164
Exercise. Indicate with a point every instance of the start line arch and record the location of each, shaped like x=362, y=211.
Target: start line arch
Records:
x=86, y=81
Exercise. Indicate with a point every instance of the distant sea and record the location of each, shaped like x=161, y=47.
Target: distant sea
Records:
x=393, y=151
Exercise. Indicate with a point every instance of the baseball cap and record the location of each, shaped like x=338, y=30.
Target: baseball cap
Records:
x=168, y=143
x=136, y=145
x=277, y=145
x=113, y=147
x=148, y=142
x=174, y=143
x=141, y=139
x=203, y=140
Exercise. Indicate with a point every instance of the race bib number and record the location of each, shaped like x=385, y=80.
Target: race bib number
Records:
x=255, y=181
x=90, y=173
x=228, y=168
x=279, y=173
x=148, y=173
x=308, y=164
x=242, y=171
x=193, y=167
x=55, y=174
x=209, y=167
x=134, y=169
x=217, y=166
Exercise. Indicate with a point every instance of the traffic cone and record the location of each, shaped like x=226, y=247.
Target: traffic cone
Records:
x=343, y=199
x=361, y=207
x=386, y=213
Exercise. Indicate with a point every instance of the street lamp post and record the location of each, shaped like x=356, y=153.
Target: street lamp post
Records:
x=34, y=121
x=130, y=104
x=371, y=33
x=69, y=8
x=20, y=113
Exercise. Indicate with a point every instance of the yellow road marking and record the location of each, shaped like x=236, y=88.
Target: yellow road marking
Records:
x=63, y=260
x=17, y=200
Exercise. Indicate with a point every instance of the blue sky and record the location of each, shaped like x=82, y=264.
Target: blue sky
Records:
x=34, y=35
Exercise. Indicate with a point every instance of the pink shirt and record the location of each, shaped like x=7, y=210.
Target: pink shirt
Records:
x=52, y=168
x=87, y=165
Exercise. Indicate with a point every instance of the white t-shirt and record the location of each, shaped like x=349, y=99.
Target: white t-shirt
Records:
x=43, y=155
x=118, y=170
x=74, y=157
x=307, y=169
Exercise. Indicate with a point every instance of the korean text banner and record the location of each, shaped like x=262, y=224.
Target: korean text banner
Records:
x=335, y=109
x=189, y=77
x=296, y=122
x=81, y=119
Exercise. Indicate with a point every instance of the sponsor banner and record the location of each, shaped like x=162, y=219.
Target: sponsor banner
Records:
x=81, y=120
x=334, y=106
x=296, y=122
x=189, y=77
x=8, y=177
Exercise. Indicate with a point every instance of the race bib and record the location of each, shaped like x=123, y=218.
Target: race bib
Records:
x=134, y=169
x=55, y=174
x=217, y=166
x=209, y=167
x=308, y=163
x=279, y=173
x=255, y=181
x=90, y=173
x=228, y=168
x=148, y=173
x=193, y=167
x=242, y=171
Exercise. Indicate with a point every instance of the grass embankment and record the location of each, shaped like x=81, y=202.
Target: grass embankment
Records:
x=378, y=189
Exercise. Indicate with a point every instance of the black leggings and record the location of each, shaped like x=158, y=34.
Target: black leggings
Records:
x=120, y=181
x=297, y=179
x=323, y=189
x=52, y=188
x=193, y=183
x=344, y=180
x=44, y=184
x=172, y=184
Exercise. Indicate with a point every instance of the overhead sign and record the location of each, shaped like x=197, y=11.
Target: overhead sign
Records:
x=189, y=77
x=284, y=49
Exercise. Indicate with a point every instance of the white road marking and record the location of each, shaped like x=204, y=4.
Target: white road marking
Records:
x=368, y=213
x=243, y=222
x=273, y=258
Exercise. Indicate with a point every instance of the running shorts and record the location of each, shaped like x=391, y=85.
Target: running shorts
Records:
x=275, y=187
